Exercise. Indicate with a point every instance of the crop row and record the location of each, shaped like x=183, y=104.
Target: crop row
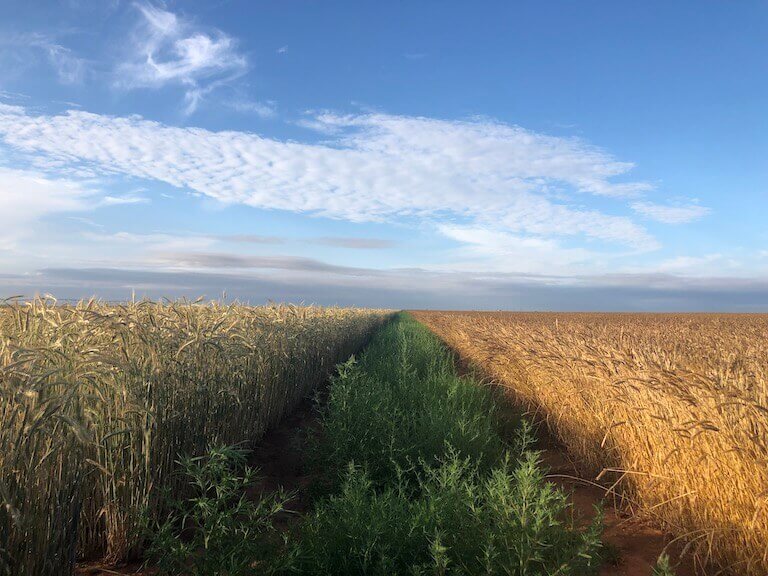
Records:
x=98, y=401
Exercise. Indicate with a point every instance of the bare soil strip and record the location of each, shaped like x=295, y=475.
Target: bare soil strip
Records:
x=280, y=459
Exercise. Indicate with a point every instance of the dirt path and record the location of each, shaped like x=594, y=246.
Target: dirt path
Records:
x=279, y=456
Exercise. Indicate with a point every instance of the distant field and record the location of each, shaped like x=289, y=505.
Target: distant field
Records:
x=672, y=409
x=97, y=403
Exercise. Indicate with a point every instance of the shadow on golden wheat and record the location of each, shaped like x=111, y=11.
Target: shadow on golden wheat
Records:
x=671, y=409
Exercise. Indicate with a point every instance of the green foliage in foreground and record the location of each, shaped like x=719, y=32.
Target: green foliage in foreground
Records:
x=402, y=406
x=460, y=522
x=417, y=481
x=663, y=566
x=427, y=486
x=218, y=530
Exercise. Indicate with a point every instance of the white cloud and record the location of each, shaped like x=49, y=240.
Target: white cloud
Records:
x=687, y=264
x=69, y=68
x=167, y=49
x=7, y=109
x=376, y=168
x=282, y=50
x=511, y=151
x=709, y=265
x=715, y=264
x=130, y=198
x=26, y=197
x=671, y=213
x=489, y=250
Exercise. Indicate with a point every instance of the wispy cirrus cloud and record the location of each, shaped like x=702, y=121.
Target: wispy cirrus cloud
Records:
x=265, y=109
x=223, y=260
x=671, y=213
x=168, y=49
x=70, y=68
x=374, y=167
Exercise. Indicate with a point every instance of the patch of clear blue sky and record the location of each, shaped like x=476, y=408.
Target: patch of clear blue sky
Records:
x=678, y=88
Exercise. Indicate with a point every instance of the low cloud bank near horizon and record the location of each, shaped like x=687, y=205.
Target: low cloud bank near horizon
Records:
x=403, y=289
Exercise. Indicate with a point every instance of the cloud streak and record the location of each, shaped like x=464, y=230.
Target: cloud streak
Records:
x=222, y=260
x=669, y=213
x=251, y=239
x=354, y=243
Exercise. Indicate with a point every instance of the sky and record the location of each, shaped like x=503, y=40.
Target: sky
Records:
x=423, y=154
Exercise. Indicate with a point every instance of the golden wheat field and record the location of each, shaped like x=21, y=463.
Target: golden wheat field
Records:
x=669, y=409
x=98, y=401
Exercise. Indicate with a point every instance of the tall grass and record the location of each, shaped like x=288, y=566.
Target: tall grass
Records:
x=422, y=483
x=673, y=409
x=97, y=402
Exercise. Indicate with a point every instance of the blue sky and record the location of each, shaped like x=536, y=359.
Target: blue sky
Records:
x=519, y=155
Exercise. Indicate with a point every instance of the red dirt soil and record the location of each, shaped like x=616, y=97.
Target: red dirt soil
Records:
x=637, y=542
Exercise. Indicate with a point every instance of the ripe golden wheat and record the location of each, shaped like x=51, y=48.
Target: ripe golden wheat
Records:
x=98, y=401
x=670, y=409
